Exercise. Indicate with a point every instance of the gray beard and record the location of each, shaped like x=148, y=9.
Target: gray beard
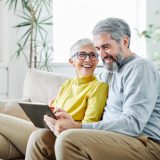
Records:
x=114, y=67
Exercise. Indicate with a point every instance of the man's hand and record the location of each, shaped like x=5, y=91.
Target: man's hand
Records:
x=64, y=121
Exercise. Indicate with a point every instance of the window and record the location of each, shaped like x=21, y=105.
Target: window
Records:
x=74, y=19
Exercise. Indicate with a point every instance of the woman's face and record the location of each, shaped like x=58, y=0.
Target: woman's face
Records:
x=85, y=65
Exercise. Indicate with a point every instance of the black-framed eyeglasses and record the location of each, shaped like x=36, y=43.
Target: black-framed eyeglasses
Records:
x=83, y=55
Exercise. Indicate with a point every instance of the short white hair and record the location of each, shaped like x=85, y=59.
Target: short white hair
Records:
x=80, y=43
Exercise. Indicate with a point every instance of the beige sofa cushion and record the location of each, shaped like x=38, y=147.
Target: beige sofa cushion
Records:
x=11, y=107
x=41, y=86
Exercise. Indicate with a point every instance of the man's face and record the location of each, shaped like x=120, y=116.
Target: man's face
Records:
x=110, y=51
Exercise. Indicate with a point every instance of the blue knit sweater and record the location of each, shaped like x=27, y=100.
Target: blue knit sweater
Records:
x=133, y=104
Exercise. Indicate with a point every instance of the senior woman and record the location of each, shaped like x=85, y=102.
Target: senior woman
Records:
x=83, y=97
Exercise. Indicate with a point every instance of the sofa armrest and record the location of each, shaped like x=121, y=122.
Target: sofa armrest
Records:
x=11, y=107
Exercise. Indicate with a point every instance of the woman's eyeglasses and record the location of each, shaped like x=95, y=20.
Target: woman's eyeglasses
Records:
x=83, y=55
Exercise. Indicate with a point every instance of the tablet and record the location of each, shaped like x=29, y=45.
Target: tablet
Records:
x=36, y=112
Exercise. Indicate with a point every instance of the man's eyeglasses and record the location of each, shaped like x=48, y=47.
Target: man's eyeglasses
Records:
x=83, y=55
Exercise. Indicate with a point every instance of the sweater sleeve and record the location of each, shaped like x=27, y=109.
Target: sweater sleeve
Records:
x=96, y=103
x=139, y=98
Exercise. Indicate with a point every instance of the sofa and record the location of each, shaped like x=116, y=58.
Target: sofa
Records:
x=39, y=86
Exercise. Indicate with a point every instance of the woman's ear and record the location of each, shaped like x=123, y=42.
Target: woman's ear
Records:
x=71, y=61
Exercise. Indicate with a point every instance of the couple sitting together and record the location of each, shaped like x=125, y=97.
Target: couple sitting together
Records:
x=115, y=117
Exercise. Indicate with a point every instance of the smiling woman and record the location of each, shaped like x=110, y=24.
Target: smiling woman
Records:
x=77, y=95
x=75, y=19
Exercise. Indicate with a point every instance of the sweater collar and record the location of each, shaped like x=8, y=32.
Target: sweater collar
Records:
x=84, y=80
x=130, y=58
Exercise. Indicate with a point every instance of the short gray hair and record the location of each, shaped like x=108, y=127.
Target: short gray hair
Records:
x=117, y=27
x=80, y=43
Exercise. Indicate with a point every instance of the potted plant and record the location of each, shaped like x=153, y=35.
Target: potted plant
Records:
x=33, y=43
x=152, y=35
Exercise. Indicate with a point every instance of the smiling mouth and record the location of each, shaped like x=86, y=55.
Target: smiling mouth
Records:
x=108, y=58
x=86, y=65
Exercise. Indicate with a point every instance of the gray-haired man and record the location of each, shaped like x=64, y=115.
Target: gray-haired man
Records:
x=130, y=127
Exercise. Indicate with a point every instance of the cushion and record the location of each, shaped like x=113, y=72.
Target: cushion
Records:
x=42, y=86
x=11, y=107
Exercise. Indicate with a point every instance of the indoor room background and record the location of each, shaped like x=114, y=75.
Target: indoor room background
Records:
x=72, y=20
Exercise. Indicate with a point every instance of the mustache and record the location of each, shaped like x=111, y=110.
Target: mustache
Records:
x=111, y=57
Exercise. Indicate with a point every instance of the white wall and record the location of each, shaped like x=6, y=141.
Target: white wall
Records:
x=152, y=18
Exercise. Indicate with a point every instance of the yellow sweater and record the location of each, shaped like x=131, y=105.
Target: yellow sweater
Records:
x=84, y=99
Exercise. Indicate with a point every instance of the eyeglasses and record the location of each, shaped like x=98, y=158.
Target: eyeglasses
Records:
x=83, y=55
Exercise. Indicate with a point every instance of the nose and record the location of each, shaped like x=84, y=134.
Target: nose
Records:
x=102, y=53
x=87, y=58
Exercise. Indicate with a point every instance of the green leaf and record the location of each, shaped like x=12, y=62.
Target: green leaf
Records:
x=23, y=24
